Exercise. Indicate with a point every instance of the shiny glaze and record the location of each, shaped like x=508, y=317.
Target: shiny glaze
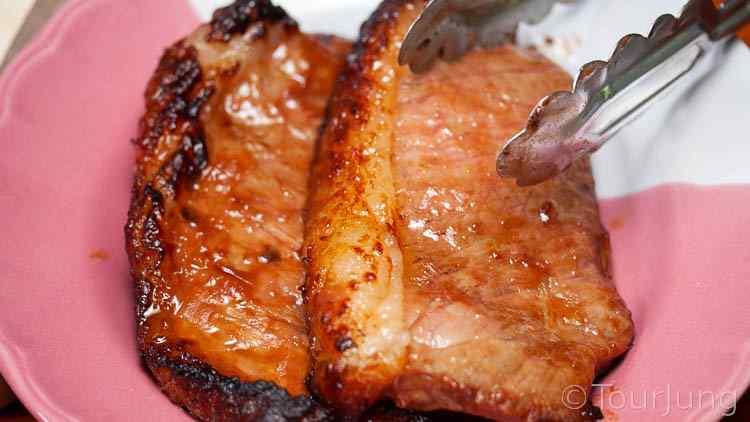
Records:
x=431, y=280
x=231, y=293
x=215, y=225
x=354, y=285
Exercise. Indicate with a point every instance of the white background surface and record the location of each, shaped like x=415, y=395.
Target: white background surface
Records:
x=12, y=14
x=699, y=135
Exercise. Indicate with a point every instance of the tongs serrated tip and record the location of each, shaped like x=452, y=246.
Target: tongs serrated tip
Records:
x=447, y=29
x=607, y=95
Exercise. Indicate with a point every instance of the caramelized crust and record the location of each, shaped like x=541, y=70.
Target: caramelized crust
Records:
x=354, y=286
x=432, y=281
x=215, y=223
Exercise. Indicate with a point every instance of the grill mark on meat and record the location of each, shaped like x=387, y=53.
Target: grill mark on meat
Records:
x=344, y=343
x=364, y=262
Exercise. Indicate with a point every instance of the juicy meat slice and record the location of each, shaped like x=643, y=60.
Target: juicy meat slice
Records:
x=507, y=297
x=431, y=280
x=215, y=224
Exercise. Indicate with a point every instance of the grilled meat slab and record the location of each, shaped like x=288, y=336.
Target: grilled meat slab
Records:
x=431, y=280
x=215, y=223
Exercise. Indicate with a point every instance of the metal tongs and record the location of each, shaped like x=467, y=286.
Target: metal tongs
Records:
x=606, y=96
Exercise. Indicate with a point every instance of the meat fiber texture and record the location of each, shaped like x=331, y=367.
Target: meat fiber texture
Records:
x=432, y=281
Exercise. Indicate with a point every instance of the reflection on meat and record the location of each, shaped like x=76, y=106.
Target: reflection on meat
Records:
x=432, y=281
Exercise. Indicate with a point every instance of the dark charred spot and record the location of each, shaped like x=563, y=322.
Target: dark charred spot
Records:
x=197, y=103
x=183, y=168
x=592, y=412
x=167, y=94
x=302, y=289
x=259, y=400
x=548, y=213
x=345, y=343
x=153, y=195
x=237, y=17
x=269, y=255
x=175, y=97
x=379, y=247
x=188, y=215
x=185, y=73
x=142, y=299
x=370, y=276
x=195, y=155
x=355, y=110
x=151, y=233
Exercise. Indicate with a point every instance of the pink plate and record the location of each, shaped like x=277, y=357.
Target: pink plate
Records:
x=70, y=104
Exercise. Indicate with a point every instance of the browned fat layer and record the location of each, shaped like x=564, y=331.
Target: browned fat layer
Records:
x=337, y=161
x=350, y=99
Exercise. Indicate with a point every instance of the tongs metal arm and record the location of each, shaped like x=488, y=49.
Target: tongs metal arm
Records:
x=447, y=29
x=608, y=95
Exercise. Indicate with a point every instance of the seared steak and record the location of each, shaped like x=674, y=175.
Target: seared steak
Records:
x=215, y=224
x=431, y=280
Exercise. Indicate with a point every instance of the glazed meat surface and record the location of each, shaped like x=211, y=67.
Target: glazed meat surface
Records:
x=215, y=225
x=431, y=280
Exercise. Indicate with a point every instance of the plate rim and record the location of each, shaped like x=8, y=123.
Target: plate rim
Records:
x=45, y=44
